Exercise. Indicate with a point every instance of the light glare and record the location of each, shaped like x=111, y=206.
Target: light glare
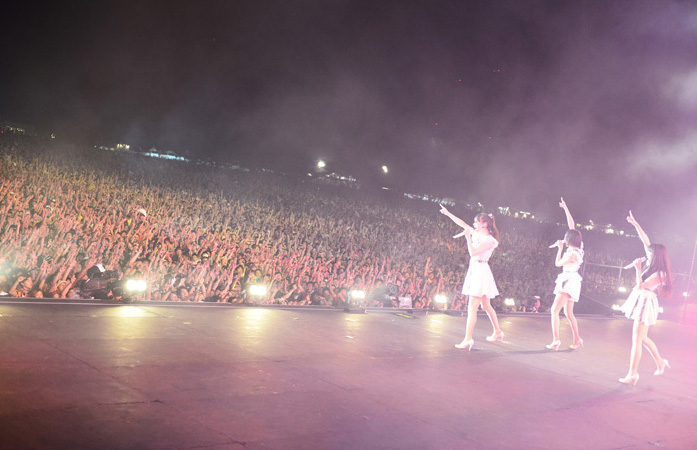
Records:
x=258, y=290
x=357, y=294
x=136, y=285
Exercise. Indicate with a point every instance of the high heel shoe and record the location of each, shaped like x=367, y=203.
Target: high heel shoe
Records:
x=495, y=337
x=663, y=368
x=630, y=379
x=554, y=346
x=465, y=344
x=576, y=345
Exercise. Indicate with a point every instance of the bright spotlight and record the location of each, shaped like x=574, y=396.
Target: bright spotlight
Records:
x=257, y=290
x=440, y=298
x=622, y=289
x=321, y=164
x=384, y=169
x=357, y=294
x=615, y=307
x=509, y=302
x=136, y=285
x=684, y=294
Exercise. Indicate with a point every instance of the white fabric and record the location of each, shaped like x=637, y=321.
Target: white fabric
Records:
x=479, y=239
x=642, y=304
x=576, y=265
x=479, y=280
x=569, y=283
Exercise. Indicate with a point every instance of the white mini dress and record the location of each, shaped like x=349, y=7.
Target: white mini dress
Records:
x=479, y=281
x=569, y=281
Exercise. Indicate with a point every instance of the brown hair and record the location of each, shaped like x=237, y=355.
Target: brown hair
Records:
x=490, y=224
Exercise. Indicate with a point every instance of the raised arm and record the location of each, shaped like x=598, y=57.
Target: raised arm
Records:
x=454, y=218
x=569, y=220
x=642, y=235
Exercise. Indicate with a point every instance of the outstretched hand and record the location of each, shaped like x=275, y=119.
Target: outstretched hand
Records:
x=562, y=203
x=443, y=209
x=631, y=219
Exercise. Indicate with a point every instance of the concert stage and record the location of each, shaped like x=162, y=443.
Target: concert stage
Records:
x=83, y=375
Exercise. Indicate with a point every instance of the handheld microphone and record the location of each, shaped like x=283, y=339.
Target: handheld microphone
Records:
x=459, y=235
x=553, y=245
x=629, y=266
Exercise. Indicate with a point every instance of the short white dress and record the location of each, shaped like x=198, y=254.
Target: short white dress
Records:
x=642, y=304
x=479, y=280
x=569, y=281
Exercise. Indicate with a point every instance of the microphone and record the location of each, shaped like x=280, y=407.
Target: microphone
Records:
x=553, y=245
x=459, y=235
x=629, y=266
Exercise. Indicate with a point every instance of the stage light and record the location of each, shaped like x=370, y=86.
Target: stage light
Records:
x=136, y=285
x=321, y=164
x=357, y=294
x=622, y=289
x=257, y=290
x=509, y=302
x=384, y=169
x=684, y=294
x=440, y=298
x=615, y=307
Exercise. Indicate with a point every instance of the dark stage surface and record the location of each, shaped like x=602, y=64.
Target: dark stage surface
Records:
x=206, y=377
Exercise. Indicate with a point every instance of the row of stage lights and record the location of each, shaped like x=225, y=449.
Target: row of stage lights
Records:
x=259, y=290
x=321, y=165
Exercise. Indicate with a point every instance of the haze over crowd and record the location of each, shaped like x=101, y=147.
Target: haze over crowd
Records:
x=498, y=101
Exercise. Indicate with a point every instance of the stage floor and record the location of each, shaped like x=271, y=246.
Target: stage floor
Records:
x=100, y=376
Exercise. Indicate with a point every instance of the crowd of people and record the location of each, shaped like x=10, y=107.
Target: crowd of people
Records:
x=197, y=233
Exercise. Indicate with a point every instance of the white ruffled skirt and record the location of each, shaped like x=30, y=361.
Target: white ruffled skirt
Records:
x=568, y=283
x=479, y=281
x=641, y=305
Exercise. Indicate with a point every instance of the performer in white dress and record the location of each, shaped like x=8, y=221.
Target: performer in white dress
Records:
x=479, y=285
x=567, y=289
x=655, y=279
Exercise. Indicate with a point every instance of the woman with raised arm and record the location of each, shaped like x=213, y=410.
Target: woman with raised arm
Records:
x=479, y=285
x=654, y=279
x=567, y=289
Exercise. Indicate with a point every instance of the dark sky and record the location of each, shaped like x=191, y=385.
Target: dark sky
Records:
x=509, y=102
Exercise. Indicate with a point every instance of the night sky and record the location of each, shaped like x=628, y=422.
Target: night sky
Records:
x=512, y=103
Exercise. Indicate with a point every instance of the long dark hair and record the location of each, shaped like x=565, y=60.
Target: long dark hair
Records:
x=660, y=263
x=490, y=224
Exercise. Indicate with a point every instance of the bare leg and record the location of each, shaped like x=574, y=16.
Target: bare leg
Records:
x=559, y=302
x=653, y=350
x=472, y=316
x=569, y=311
x=639, y=331
x=491, y=312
